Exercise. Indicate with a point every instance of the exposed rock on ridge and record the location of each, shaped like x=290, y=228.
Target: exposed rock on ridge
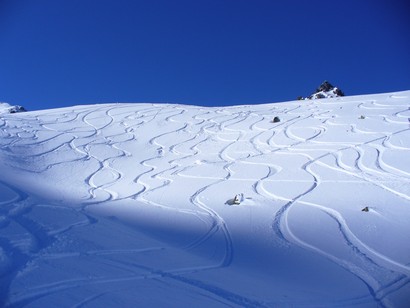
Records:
x=6, y=108
x=326, y=90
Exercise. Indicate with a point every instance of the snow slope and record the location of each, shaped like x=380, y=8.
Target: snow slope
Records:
x=131, y=205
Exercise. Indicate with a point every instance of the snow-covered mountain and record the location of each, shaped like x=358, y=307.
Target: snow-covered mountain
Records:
x=326, y=90
x=142, y=205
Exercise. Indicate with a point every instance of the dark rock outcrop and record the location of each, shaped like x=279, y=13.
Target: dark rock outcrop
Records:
x=6, y=108
x=326, y=90
x=276, y=120
x=15, y=109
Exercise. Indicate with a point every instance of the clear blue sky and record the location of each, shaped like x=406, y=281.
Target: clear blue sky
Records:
x=204, y=52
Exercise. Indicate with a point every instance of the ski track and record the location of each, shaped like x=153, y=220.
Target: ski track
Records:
x=220, y=294
x=37, y=238
x=283, y=231
x=205, y=126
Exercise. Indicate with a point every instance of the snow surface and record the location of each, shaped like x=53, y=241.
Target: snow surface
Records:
x=7, y=108
x=325, y=94
x=131, y=205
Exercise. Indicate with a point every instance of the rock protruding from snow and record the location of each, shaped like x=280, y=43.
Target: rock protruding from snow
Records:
x=326, y=90
x=7, y=108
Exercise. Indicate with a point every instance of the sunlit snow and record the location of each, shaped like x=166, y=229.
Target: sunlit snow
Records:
x=142, y=205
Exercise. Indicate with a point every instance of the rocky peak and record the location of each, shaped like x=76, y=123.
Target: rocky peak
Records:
x=326, y=90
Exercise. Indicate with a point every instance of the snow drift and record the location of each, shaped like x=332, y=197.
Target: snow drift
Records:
x=174, y=205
